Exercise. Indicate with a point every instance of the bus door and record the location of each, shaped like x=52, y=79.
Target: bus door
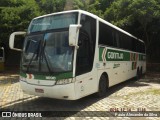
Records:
x=1, y=59
x=85, y=74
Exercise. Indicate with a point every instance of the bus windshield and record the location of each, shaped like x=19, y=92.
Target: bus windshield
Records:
x=46, y=47
x=48, y=52
x=53, y=22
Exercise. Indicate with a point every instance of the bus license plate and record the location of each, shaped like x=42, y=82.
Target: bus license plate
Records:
x=39, y=90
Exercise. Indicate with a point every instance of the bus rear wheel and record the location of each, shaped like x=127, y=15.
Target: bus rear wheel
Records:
x=138, y=74
x=141, y=73
x=102, y=89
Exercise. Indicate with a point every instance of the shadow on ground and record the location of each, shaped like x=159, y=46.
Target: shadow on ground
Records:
x=9, y=77
x=47, y=104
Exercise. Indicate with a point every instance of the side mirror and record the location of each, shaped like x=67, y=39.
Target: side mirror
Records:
x=73, y=35
x=12, y=38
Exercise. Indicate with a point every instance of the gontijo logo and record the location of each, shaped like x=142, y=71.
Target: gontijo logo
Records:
x=115, y=55
x=108, y=54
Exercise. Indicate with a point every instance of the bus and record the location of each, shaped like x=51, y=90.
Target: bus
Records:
x=72, y=54
x=2, y=59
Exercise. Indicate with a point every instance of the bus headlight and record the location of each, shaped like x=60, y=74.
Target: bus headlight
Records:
x=65, y=81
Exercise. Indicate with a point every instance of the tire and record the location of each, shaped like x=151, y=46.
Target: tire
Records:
x=138, y=75
x=102, y=89
x=141, y=73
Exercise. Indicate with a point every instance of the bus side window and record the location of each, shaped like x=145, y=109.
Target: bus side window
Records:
x=82, y=37
x=116, y=39
x=105, y=35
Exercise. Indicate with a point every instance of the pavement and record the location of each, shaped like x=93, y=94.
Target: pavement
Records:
x=142, y=95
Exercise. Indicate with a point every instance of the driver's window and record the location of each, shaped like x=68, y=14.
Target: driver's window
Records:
x=86, y=42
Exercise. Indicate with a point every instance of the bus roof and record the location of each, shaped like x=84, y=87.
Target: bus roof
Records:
x=94, y=16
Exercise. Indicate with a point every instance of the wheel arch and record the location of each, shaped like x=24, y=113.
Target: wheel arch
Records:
x=107, y=78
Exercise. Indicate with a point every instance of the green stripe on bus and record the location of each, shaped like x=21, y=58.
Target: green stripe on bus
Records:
x=56, y=76
x=100, y=53
x=117, y=55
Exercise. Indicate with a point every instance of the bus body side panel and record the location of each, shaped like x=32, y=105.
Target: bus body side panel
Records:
x=87, y=83
x=142, y=62
x=120, y=65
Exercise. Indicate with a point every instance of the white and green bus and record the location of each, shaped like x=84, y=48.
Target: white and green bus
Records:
x=72, y=54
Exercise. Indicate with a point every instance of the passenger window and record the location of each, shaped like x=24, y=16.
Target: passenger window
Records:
x=105, y=35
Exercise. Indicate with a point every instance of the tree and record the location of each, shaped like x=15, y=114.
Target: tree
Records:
x=140, y=17
x=98, y=7
x=124, y=13
x=51, y=6
x=15, y=16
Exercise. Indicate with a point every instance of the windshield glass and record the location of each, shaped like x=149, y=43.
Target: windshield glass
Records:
x=48, y=52
x=53, y=22
x=46, y=48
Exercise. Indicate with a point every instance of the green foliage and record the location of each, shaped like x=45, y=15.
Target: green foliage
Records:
x=141, y=14
x=11, y=3
x=98, y=7
x=139, y=17
x=50, y=6
x=15, y=16
x=78, y=4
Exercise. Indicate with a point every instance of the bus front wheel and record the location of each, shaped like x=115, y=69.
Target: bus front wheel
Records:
x=102, y=89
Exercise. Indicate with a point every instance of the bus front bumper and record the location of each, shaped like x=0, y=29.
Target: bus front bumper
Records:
x=66, y=92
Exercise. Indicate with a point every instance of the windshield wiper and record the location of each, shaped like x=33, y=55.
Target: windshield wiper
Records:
x=43, y=53
x=34, y=53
